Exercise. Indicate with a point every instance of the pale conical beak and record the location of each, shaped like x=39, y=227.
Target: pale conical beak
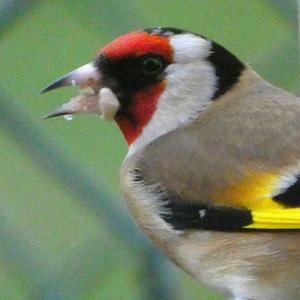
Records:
x=85, y=76
x=93, y=98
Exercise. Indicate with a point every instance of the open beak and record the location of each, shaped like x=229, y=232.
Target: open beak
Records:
x=93, y=97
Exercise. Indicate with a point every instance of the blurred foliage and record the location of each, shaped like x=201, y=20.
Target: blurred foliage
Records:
x=54, y=245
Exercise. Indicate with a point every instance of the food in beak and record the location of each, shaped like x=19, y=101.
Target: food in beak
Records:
x=86, y=102
x=93, y=98
x=104, y=103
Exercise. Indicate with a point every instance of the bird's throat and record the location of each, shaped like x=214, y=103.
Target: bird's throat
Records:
x=141, y=109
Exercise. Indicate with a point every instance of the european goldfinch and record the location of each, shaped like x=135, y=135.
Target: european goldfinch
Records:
x=212, y=171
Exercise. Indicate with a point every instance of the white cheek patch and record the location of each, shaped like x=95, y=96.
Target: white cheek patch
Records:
x=108, y=104
x=191, y=84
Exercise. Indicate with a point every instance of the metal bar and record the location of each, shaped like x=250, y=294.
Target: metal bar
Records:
x=159, y=278
x=288, y=8
x=74, y=178
x=298, y=19
x=80, y=183
x=17, y=250
x=10, y=10
x=95, y=196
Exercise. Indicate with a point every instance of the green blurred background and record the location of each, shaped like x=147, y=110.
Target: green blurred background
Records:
x=64, y=229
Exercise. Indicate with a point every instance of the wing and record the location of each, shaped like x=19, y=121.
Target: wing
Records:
x=183, y=215
x=238, y=161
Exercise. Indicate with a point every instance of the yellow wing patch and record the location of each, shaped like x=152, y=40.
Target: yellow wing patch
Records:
x=252, y=192
x=255, y=194
x=284, y=218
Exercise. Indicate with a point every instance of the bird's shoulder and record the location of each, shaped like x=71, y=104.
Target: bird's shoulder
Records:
x=235, y=137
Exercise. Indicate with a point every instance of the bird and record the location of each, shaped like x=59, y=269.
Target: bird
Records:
x=212, y=173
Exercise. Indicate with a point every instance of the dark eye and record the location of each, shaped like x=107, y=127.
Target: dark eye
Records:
x=152, y=65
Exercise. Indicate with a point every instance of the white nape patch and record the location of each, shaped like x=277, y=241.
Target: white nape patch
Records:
x=108, y=104
x=191, y=83
x=189, y=48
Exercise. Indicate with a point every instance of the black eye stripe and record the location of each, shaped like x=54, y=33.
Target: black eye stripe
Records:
x=130, y=74
x=152, y=64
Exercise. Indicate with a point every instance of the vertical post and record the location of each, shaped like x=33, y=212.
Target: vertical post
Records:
x=298, y=18
x=156, y=279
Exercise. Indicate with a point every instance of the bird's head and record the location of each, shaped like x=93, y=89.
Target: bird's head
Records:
x=151, y=81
